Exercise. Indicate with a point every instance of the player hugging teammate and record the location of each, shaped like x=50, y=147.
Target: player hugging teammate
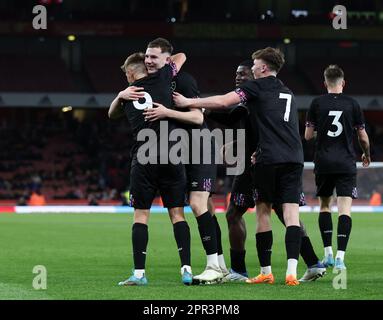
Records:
x=274, y=180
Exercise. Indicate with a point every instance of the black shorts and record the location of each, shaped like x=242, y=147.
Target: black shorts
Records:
x=242, y=190
x=146, y=180
x=279, y=183
x=344, y=184
x=201, y=177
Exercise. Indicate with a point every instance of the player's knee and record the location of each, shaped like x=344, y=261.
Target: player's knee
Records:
x=234, y=214
x=198, y=207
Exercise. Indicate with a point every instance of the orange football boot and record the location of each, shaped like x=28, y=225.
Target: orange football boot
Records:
x=291, y=280
x=262, y=278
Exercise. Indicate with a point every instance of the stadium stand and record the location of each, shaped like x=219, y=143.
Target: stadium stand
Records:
x=35, y=74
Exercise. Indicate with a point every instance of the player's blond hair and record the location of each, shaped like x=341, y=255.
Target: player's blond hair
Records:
x=135, y=60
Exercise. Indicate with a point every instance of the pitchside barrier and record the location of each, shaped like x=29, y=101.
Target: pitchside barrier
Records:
x=370, y=182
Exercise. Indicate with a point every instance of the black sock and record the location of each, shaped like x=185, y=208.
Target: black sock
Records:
x=264, y=242
x=207, y=233
x=237, y=261
x=307, y=252
x=325, y=226
x=218, y=233
x=182, y=234
x=344, y=230
x=293, y=242
x=140, y=241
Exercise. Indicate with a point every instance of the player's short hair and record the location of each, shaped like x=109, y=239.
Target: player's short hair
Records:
x=136, y=59
x=332, y=74
x=247, y=63
x=161, y=43
x=273, y=57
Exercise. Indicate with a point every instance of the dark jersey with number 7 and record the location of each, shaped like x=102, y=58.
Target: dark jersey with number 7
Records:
x=334, y=116
x=274, y=112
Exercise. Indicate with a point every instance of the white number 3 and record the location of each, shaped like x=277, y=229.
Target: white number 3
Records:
x=288, y=105
x=337, y=115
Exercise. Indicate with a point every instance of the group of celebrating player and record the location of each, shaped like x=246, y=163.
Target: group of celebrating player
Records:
x=272, y=179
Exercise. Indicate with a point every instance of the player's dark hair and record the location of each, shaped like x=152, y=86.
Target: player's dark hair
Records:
x=273, y=57
x=247, y=63
x=163, y=44
x=137, y=59
x=333, y=73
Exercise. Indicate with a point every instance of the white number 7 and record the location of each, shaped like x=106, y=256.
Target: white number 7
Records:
x=288, y=105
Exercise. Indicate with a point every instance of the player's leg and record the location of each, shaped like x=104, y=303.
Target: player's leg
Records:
x=207, y=230
x=315, y=268
x=325, y=188
x=264, y=181
x=346, y=191
x=237, y=238
x=172, y=186
x=181, y=233
x=221, y=259
x=326, y=229
x=140, y=239
x=289, y=182
x=141, y=201
x=211, y=205
x=264, y=243
x=292, y=240
x=242, y=198
x=201, y=179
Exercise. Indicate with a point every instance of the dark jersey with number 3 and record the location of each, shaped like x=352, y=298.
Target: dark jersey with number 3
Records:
x=273, y=111
x=334, y=116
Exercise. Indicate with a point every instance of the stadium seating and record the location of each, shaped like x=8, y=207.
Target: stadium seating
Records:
x=34, y=74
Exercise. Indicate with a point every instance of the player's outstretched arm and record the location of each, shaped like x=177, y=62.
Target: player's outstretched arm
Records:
x=178, y=59
x=213, y=102
x=193, y=116
x=364, y=143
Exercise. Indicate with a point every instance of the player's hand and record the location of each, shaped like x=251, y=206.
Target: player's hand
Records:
x=253, y=158
x=180, y=100
x=366, y=160
x=153, y=114
x=131, y=93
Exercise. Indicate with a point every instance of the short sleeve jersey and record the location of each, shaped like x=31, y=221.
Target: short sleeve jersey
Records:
x=274, y=112
x=157, y=88
x=335, y=117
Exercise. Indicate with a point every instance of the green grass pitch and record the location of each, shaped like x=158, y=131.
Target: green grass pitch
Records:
x=86, y=255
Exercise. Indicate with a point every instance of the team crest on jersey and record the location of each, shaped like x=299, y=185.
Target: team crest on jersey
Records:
x=173, y=85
